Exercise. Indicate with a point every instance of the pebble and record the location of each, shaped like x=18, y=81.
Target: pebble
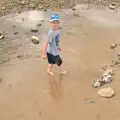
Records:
x=113, y=46
x=35, y=40
x=1, y=37
x=33, y=6
x=39, y=24
x=118, y=54
x=112, y=5
x=106, y=92
x=22, y=2
x=3, y=8
x=107, y=79
x=35, y=29
x=108, y=72
x=15, y=33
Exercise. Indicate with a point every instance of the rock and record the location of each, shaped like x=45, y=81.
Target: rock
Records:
x=35, y=40
x=22, y=2
x=80, y=7
x=73, y=9
x=39, y=24
x=45, y=10
x=116, y=62
x=108, y=72
x=118, y=54
x=1, y=37
x=35, y=29
x=13, y=26
x=76, y=14
x=3, y=8
x=107, y=79
x=106, y=92
x=113, y=46
x=97, y=83
x=112, y=5
x=15, y=33
x=33, y=6
x=40, y=7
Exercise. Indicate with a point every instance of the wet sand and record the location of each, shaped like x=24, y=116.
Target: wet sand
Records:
x=28, y=93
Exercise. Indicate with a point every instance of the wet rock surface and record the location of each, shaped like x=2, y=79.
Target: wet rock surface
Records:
x=106, y=92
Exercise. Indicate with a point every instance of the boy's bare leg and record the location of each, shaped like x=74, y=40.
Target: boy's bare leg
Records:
x=62, y=72
x=49, y=70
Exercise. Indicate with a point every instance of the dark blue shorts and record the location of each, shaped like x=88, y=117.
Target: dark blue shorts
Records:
x=54, y=59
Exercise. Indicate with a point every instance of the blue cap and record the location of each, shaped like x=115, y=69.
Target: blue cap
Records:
x=55, y=17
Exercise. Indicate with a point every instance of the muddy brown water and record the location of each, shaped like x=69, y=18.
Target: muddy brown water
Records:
x=27, y=92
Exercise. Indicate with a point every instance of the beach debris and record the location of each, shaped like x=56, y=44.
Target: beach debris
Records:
x=1, y=35
x=104, y=79
x=35, y=40
x=116, y=62
x=118, y=54
x=22, y=2
x=3, y=8
x=112, y=5
x=107, y=79
x=97, y=83
x=33, y=6
x=15, y=33
x=113, y=46
x=106, y=92
x=39, y=24
x=34, y=29
x=108, y=72
x=13, y=26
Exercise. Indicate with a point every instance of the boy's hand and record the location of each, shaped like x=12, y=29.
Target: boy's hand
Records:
x=44, y=56
x=59, y=49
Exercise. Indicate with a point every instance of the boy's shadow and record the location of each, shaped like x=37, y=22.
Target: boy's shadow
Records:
x=56, y=88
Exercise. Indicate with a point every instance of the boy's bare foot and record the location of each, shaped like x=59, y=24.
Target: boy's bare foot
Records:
x=50, y=73
x=63, y=73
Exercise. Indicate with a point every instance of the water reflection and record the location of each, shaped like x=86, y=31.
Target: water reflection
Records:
x=56, y=87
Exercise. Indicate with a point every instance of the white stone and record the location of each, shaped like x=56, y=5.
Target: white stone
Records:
x=106, y=92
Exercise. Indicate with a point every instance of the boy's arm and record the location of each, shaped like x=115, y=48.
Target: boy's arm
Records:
x=44, y=50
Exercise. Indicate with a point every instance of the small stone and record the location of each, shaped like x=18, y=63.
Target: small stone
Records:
x=73, y=9
x=118, y=54
x=19, y=11
x=35, y=29
x=1, y=37
x=39, y=24
x=15, y=33
x=112, y=5
x=116, y=62
x=40, y=7
x=20, y=56
x=97, y=82
x=76, y=14
x=113, y=46
x=45, y=10
x=107, y=79
x=108, y=72
x=13, y=26
x=35, y=40
x=3, y=8
x=33, y=6
x=106, y=92
x=22, y=19
x=22, y=2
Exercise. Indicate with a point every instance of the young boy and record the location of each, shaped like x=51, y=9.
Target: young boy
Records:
x=51, y=48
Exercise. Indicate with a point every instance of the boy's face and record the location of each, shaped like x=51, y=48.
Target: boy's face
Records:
x=55, y=24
